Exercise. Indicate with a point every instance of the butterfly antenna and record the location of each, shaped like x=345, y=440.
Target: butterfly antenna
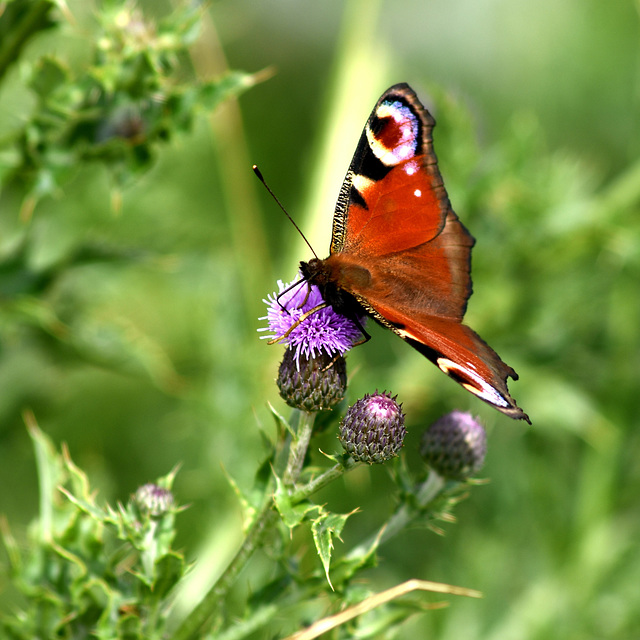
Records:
x=286, y=213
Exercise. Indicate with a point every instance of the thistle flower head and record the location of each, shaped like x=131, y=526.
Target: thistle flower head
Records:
x=455, y=445
x=373, y=428
x=324, y=331
x=312, y=384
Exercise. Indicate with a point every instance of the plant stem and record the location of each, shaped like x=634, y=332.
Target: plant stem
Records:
x=429, y=490
x=299, y=446
x=323, y=479
x=27, y=25
x=212, y=602
x=211, y=605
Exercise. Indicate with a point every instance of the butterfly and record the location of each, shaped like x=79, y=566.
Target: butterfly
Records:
x=401, y=255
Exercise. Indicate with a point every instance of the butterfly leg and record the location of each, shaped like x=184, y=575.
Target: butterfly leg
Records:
x=365, y=336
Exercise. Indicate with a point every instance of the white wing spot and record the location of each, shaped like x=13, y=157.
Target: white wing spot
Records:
x=361, y=183
x=476, y=385
x=417, y=193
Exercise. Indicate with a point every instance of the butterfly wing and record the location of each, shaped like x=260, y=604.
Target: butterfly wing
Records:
x=394, y=223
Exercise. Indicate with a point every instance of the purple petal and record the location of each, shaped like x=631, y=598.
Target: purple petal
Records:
x=324, y=330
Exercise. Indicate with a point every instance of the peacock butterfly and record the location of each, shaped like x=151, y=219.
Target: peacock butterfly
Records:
x=400, y=254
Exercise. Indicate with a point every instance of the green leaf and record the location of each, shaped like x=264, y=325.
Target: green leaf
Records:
x=324, y=529
x=169, y=570
x=130, y=628
x=282, y=424
x=211, y=94
x=251, y=501
x=86, y=506
x=77, y=478
x=363, y=556
x=48, y=75
x=292, y=515
x=50, y=475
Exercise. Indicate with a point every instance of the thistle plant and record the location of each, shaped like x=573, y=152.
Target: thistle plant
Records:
x=90, y=569
x=115, y=572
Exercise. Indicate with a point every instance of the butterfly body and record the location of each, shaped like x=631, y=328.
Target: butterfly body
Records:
x=400, y=254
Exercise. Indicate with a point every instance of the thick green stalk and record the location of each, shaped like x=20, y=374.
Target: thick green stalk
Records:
x=26, y=26
x=210, y=606
x=299, y=447
x=429, y=490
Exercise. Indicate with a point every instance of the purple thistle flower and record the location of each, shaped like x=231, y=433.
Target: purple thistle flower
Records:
x=323, y=331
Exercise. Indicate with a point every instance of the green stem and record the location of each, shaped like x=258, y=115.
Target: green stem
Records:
x=211, y=605
x=33, y=20
x=429, y=490
x=339, y=469
x=299, y=446
x=426, y=493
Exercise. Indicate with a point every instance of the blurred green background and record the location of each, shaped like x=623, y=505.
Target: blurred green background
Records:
x=156, y=360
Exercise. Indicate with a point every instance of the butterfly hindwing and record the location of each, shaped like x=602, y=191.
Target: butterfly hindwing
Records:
x=460, y=353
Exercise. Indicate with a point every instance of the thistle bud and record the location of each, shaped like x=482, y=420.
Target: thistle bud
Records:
x=455, y=445
x=373, y=428
x=312, y=383
x=153, y=500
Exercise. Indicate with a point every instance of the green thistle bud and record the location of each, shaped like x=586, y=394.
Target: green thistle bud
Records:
x=373, y=428
x=455, y=445
x=153, y=500
x=312, y=384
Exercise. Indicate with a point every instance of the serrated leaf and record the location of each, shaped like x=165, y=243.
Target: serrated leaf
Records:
x=282, y=424
x=251, y=501
x=97, y=606
x=228, y=86
x=324, y=529
x=248, y=509
x=77, y=477
x=75, y=566
x=49, y=474
x=362, y=556
x=86, y=506
x=130, y=628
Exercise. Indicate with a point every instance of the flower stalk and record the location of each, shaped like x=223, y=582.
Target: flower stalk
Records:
x=299, y=446
x=407, y=513
x=209, y=608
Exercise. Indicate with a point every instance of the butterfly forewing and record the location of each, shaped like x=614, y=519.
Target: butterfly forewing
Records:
x=394, y=158
x=399, y=249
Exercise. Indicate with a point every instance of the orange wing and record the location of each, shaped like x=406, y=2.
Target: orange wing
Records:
x=399, y=249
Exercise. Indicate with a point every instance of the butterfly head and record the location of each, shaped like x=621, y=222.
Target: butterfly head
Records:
x=314, y=272
x=336, y=277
